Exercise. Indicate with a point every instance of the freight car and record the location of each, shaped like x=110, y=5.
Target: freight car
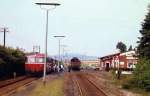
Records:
x=35, y=64
x=75, y=64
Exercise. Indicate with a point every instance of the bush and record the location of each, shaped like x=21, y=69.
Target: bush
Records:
x=126, y=86
x=141, y=75
x=11, y=60
x=128, y=83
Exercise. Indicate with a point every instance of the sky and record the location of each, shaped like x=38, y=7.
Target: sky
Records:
x=91, y=27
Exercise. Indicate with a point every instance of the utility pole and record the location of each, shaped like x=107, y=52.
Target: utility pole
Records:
x=59, y=38
x=4, y=30
x=36, y=49
x=63, y=51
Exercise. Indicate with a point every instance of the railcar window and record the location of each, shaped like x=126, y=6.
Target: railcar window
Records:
x=31, y=60
x=40, y=60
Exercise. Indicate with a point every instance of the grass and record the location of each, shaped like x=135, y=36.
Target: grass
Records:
x=124, y=79
x=53, y=88
x=139, y=91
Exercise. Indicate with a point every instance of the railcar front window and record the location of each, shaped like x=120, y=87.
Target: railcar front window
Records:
x=31, y=60
x=40, y=60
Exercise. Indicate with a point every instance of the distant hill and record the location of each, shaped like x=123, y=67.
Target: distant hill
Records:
x=80, y=56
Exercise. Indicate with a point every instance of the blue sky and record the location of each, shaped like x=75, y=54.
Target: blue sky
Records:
x=91, y=27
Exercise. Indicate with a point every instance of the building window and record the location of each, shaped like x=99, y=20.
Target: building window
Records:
x=130, y=65
x=121, y=63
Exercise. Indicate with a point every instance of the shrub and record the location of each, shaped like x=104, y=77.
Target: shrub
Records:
x=141, y=75
x=11, y=60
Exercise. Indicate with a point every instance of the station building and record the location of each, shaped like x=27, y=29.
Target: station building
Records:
x=90, y=64
x=125, y=61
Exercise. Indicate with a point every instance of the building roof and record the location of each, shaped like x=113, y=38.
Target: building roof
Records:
x=109, y=56
x=128, y=53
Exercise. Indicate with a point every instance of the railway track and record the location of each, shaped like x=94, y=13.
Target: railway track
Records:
x=87, y=87
x=11, y=81
x=79, y=88
x=8, y=88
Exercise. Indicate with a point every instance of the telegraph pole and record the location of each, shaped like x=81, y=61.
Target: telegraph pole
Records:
x=59, y=38
x=36, y=49
x=63, y=51
x=4, y=30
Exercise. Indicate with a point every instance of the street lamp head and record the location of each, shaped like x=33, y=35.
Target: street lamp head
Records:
x=47, y=5
x=59, y=36
x=53, y=4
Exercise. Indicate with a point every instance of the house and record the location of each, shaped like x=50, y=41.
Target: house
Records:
x=109, y=61
x=125, y=61
x=128, y=60
x=90, y=64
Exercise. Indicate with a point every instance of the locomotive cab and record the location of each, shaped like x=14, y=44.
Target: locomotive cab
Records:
x=75, y=64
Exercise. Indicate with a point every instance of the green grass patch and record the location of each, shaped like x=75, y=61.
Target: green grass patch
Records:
x=52, y=88
x=125, y=83
x=140, y=91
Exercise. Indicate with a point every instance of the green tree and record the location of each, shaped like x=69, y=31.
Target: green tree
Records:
x=11, y=60
x=121, y=46
x=142, y=74
x=141, y=77
x=130, y=48
x=144, y=42
x=142, y=71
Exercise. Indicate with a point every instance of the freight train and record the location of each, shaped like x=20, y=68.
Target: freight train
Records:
x=75, y=64
x=35, y=64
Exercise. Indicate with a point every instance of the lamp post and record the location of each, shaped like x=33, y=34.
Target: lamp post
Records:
x=47, y=10
x=59, y=38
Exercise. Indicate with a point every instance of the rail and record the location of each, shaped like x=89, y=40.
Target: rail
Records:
x=84, y=92
x=13, y=86
x=11, y=81
x=80, y=90
x=101, y=90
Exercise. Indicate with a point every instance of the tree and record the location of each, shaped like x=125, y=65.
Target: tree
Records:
x=11, y=60
x=142, y=70
x=144, y=42
x=141, y=74
x=130, y=48
x=120, y=45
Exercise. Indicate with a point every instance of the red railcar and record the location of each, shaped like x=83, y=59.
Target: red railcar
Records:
x=35, y=64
